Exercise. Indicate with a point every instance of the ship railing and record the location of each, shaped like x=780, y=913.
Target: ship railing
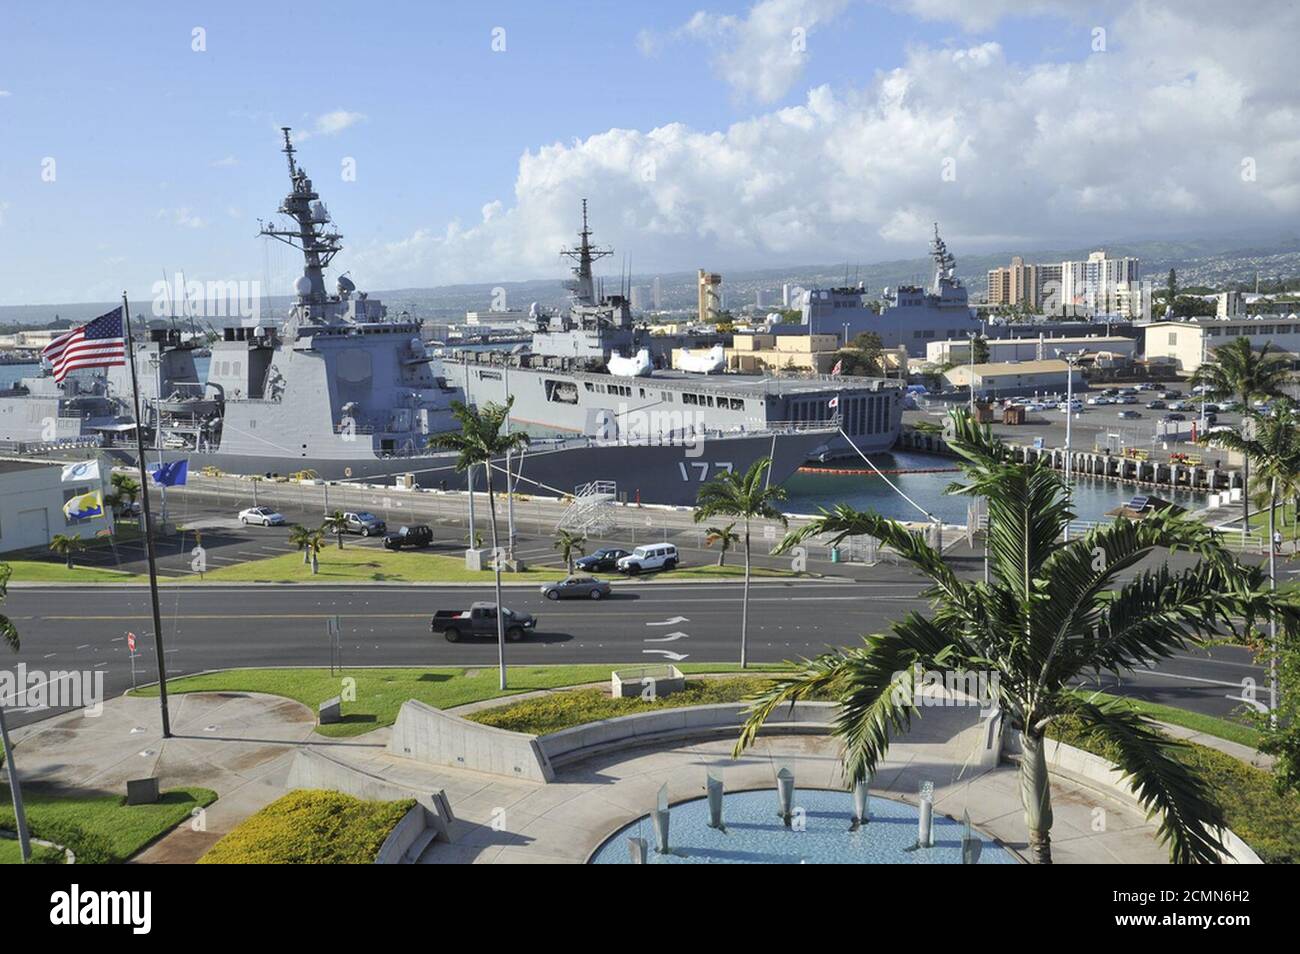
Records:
x=341, y=428
x=787, y=426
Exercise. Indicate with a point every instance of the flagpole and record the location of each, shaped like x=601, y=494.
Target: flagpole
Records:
x=148, y=525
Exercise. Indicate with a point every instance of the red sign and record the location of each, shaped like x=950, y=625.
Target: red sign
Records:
x=130, y=641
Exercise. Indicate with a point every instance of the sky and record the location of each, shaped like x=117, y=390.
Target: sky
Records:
x=141, y=140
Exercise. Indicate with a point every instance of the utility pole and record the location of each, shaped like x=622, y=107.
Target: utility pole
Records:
x=1071, y=360
x=148, y=525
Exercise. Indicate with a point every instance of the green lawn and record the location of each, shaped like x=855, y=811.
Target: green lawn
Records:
x=11, y=854
x=1209, y=725
x=43, y=571
x=370, y=565
x=102, y=829
x=381, y=692
x=310, y=827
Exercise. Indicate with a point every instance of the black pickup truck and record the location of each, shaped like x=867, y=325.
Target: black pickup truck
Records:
x=481, y=618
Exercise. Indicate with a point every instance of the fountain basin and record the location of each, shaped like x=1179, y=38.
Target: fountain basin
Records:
x=755, y=834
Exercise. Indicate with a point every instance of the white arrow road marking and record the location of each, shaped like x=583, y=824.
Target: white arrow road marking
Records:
x=1259, y=706
x=675, y=657
x=667, y=639
x=671, y=622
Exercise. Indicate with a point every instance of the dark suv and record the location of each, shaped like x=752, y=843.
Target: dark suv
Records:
x=415, y=537
x=602, y=560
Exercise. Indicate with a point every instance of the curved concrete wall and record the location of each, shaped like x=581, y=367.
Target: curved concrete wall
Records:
x=1099, y=773
x=404, y=834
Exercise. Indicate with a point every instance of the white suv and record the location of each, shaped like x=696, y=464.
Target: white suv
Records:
x=659, y=556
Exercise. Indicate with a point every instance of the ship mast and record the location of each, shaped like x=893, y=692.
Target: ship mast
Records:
x=582, y=286
x=944, y=262
x=318, y=243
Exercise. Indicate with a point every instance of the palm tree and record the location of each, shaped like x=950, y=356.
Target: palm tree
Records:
x=300, y=537
x=335, y=523
x=65, y=545
x=568, y=542
x=479, y=441
x=1051, y=612
x=1238, y=371
x=724, y=537
x=745, y=496
x=314, y=543
x=1272, y=442
x=9, y=635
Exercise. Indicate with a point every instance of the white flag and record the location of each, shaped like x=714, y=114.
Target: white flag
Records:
x=81, y=471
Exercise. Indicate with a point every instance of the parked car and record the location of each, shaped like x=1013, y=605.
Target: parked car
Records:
x=603, y=560
x=1222, y=429
x=1129, y=415
x=657, y=556
x=414, y=537
x=362, y=522
x=576, y=587
x=1156, y=405
x=263, y=516
x=1168, y=393
x=481, y=619
x=1175, y=417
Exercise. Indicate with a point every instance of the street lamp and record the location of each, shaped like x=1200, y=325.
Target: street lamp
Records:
x=1071, y=359
x=972, y=335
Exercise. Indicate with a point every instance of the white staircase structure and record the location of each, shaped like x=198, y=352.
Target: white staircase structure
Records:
x=591, y=511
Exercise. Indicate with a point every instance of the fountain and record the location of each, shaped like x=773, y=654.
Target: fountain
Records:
x=925, y=819
x=713, y=785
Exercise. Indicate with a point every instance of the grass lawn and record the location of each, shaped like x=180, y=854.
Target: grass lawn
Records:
x=370, y=565
x=728, y=572
x=381, y=692
x=11, y=854
x=1209, y=725
x=564, y=710
x=102, y=829
x=310, y=827
x=42, y=571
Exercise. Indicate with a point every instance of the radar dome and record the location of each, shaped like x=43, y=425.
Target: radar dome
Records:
x=302, y=285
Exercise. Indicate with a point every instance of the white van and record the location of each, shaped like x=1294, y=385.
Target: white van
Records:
x=659, y=556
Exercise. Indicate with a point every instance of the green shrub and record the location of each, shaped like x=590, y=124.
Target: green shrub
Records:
x=1267, y=821
x=563, y=710
x=310, y=827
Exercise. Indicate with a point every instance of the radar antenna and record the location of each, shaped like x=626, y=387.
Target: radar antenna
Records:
x=582, y=286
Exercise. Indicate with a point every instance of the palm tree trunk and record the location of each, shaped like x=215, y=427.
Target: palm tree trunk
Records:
x=69, y=559
x=1245, y=503
x=315, y=564
x=1272, y=617
x=1036, y=797
x=744, y=606
x=496, y=565
x=722, y=556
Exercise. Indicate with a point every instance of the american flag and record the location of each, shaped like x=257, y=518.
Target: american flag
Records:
x=96, y=344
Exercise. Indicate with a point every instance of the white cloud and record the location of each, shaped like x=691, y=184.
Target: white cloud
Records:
x=330, y=124
x=1144, y=140
x=4, y=93
x=762, y=54
x=227, y=162
x=182, y=218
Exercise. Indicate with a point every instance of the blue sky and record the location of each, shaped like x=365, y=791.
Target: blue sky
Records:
x=165, y=157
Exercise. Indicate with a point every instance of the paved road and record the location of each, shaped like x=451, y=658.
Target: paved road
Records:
x=217, y=627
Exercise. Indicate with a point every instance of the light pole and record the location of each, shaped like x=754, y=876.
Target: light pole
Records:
x=1071, y=358
x=972, y=335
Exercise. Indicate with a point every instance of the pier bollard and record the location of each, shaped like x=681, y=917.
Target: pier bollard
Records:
x=785, y=795
x=636, y=850
x=925, y=821
x=971, y=844
x=861, y=803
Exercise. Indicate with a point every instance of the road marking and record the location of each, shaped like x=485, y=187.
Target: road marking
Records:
x=670, y=622
x=675, y=657
x=671, y=637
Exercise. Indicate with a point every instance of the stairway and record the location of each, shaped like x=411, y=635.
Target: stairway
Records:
x=591, y=512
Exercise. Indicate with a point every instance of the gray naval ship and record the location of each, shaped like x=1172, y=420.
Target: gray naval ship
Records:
x=592, y=371
x=910, y=316
x=344, y=390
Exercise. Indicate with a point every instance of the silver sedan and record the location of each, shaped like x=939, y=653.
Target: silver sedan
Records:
x=576, y=587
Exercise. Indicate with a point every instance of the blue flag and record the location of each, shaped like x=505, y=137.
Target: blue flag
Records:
x=171, y=474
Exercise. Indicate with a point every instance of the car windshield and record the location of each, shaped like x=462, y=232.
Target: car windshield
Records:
x=365, y=516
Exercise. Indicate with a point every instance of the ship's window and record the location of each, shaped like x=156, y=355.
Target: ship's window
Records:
x=668, y=396
x=589, y=386
x=688, y=398
x=709, y=398
x=561, y=392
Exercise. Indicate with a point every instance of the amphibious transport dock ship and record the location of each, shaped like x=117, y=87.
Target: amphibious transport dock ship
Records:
x=341, y=389
x=592, y=371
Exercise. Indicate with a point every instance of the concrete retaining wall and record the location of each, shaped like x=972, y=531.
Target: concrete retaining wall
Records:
x=1101, y=774
x=431, y=735
x=570, y=744
x=314, y=769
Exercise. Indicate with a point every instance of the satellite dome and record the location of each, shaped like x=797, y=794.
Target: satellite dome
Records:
x=302, y=285
x=346, y=286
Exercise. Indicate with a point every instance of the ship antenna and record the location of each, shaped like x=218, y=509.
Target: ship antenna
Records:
x=289, y=151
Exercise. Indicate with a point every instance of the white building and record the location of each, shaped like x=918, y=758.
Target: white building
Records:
x=1106, y=286
x=32, y=495
x=1187, y=342
x=956, y=350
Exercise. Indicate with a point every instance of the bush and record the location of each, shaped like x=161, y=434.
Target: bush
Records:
x=1267, y=821
x=311, y=827
x=563, y=710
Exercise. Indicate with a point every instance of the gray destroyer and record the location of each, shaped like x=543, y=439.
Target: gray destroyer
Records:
x=342, y=389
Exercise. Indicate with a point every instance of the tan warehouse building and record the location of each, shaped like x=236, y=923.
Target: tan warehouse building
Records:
x=1186, y=343
x=1010, y=378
